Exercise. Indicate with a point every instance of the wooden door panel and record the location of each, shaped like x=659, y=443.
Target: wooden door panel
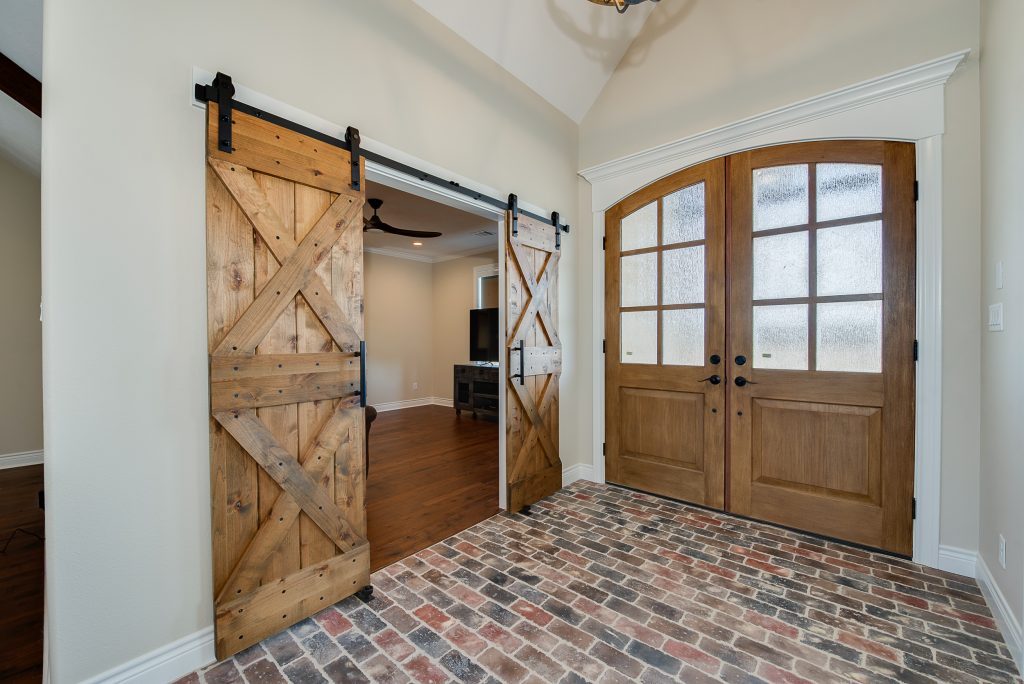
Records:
x=665, y=421
x=824, y=449
x=679, y=417
x=284, y=264
x=534, y=360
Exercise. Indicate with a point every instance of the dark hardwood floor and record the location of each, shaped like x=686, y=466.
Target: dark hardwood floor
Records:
x=432, y=474
x=21, y=575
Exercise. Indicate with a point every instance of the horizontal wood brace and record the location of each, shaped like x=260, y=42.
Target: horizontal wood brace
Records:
x=276, y=605
x=538, y=360
x=264, y=365
x=275, y=390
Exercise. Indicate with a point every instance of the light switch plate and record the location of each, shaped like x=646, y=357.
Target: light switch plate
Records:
x=995, y=317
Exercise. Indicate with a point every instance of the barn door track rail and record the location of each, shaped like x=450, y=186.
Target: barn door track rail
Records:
x=222, y=91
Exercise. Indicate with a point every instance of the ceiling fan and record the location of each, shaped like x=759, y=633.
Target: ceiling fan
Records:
x=374, y=223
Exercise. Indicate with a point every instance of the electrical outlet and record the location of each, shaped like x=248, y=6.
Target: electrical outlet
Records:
x=415, y=385
x=1002, y=552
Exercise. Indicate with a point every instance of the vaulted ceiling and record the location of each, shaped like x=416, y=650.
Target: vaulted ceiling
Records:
x=565, y=50
x=21, y=39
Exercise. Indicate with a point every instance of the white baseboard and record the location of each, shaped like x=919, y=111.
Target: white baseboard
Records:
x=411, y=403
x=1008, y=623
x=960, y=561
x=580, y=471
x=24, y=458
x=165, y=664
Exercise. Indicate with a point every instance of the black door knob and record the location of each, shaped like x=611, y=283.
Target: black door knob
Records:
x=740, y=360
x=741, y=381
x=713, y=379
x=716, y=359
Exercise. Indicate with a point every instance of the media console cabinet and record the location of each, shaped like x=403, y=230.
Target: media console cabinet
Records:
x=476, y=389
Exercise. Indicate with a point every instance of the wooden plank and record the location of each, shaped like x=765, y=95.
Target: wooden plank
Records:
x=233, y=475
x=276, y=605
x=536, y=235
x=255, y=438
x=538, y=360
x=299, y=269
x=281, y=421
x=229, y=368
x=271, y=149
x=278, y=390
x=317, y=461
x=312, y=338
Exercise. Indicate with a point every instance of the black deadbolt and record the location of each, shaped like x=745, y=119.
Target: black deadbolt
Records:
x=716, y=359
x=740, y=360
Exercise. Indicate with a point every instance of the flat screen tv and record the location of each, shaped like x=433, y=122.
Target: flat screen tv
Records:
x=483, y=334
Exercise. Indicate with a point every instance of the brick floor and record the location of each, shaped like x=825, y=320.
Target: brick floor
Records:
x=604, y=585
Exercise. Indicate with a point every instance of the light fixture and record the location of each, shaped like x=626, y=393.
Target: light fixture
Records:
x=620, y=5
x=417, y=244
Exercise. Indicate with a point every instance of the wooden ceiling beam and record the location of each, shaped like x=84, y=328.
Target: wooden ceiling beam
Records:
x=21, y=85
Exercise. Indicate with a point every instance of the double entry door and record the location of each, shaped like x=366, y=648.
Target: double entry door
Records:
x=760, y=345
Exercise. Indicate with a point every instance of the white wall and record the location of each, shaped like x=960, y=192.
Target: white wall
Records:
x=124, y=343
x=399, y=323
x=21, y=358
x=1002, y=367
x=699, y=64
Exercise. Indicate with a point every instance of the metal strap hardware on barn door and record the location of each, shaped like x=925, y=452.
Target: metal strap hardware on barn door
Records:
x=287, y=364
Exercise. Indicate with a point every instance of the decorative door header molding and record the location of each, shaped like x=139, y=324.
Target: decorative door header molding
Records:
x=903, y=105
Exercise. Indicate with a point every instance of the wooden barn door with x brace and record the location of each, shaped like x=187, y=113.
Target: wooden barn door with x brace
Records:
x=285, y=315
x=532, y=251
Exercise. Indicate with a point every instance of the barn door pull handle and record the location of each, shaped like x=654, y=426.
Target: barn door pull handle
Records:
x=713, y=379
x=522, y=363
x=741, y=381
x=362, y=373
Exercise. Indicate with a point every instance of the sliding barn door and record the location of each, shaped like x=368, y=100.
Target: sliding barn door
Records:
x=821, y=339
x=285, y=286
x=534, y=360
x=665, y=322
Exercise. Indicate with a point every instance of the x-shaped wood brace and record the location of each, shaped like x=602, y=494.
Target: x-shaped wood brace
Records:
x=298, y=264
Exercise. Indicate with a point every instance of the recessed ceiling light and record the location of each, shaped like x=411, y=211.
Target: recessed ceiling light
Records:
x=417, y=244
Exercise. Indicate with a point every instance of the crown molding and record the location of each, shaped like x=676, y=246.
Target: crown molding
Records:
x=757, y=130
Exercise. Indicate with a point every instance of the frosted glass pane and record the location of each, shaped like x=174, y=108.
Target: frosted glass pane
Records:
x=683, y=215
x=780, y=266
x=850, y=337
x=848, y=190
x=682, y=337
x=850, y=259
x=640, y=229
x=682, y=277
x=780, y=336
x=780, y=196
x=639, y=277
x=639, y=333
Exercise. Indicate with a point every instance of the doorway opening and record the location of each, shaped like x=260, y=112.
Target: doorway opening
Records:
x=432, y=313
x=760, y=326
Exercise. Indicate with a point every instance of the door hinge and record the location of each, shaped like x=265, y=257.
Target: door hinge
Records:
x=915, y=350
x=604, y=243
x=604, y=448
x=42, y=499
x=913, y=508
x=917, y=193
x=604, y=346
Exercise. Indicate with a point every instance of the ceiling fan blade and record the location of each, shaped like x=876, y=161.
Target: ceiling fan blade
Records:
x=408, y=233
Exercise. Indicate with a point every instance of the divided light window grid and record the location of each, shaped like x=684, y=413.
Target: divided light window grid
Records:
x=662, y=277
x=817, y=267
